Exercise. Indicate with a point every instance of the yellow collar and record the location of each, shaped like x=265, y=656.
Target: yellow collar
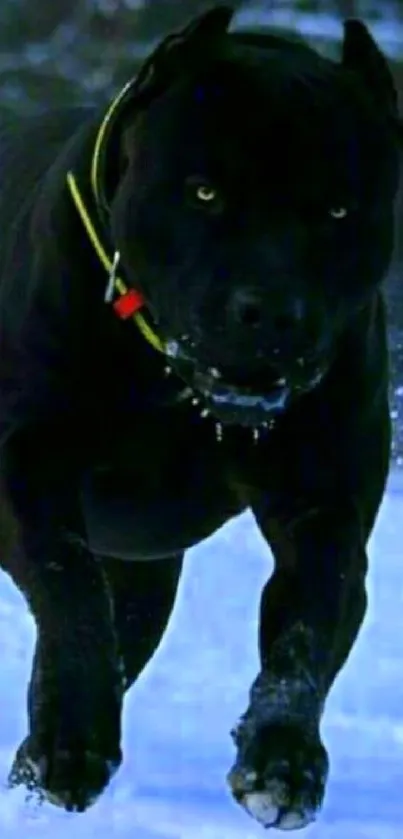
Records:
x=130, y=299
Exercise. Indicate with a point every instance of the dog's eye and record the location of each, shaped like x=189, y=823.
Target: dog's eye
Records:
x=206, y=194
x=338, y=212
x=203, y=194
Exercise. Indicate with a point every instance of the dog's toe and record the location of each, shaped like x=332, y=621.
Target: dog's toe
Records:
x=266, y=809
x=273, y=805
x=261, y=807
x=66, y=779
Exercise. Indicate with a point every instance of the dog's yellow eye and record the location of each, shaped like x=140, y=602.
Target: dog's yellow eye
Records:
x=205, y=194
x=201, y=194
x=339, y=212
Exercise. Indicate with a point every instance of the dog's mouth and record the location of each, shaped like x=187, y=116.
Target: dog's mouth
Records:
x=247, y=399
x=227, y=393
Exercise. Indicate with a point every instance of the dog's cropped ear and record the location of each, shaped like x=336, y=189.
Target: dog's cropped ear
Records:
x=212, y=22
x=362, y=56
x=181, y=51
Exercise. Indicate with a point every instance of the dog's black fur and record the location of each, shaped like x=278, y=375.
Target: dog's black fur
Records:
x=226, y=174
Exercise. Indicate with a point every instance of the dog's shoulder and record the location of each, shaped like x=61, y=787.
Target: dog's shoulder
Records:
x=54, y=324
x=38, y=317
x=28, y=147
x=36, y=153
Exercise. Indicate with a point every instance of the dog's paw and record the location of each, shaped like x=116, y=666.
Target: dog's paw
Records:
x=66, y=778
x=280, y=774
x=74, y=715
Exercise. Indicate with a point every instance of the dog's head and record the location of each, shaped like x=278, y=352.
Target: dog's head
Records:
x=254, y=208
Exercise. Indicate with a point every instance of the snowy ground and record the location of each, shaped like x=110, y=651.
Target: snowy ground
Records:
x=177, y=720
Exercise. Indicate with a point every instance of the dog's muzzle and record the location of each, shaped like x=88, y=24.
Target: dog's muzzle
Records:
x=249, y=401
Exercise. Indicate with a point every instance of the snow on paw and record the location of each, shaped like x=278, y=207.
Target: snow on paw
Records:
x=279, y=776
x=68, y=779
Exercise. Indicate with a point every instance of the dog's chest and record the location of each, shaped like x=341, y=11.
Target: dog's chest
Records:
x=158, y=485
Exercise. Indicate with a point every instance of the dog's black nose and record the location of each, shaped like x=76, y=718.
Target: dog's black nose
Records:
x=245, y=308
x=249, y=311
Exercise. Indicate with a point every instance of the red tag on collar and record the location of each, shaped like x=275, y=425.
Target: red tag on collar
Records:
x=128, y=304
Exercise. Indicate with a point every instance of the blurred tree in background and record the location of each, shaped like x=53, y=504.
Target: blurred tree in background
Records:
x=80, y=50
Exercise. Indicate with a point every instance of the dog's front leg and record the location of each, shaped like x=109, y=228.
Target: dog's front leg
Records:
x=75, y=693
x=311, y=611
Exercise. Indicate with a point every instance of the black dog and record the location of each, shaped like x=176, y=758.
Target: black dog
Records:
x=191, y=323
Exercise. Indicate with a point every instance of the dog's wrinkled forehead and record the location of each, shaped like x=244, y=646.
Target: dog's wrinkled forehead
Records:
x=260, y=106
x=274, y=121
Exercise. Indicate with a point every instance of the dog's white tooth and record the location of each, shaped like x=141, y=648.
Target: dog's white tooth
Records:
x=214, y=372
x=204, y=413
x=167, y=370
x=195, y=401
x=218, y=431
x=281, y=382
x=256, y=434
